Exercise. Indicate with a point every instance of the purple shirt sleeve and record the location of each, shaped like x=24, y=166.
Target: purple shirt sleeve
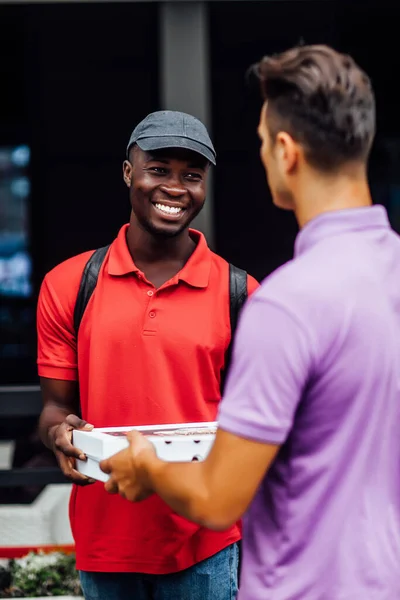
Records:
x=271, y=364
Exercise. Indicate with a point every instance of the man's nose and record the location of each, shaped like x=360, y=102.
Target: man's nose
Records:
x=173, y=189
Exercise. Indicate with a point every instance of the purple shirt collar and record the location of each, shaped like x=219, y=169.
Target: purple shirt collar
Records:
x=339, y=222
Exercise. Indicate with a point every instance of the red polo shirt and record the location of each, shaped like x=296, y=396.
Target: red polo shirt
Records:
x=146, y=356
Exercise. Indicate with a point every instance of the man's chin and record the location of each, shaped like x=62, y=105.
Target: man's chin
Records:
x=166, y=230
x=283, y=200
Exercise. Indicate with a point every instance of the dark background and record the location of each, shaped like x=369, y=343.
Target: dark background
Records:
x=251, y=232
x=76, y=78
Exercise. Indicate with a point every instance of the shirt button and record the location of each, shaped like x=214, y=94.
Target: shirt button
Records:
x=150, y=293
x=152, y=314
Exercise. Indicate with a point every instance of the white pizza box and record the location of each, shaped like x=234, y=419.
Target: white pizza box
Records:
x=178, y=442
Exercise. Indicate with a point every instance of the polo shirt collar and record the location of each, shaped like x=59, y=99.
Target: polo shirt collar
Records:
x=196, y=272
x=120, y=261
x=338, y=222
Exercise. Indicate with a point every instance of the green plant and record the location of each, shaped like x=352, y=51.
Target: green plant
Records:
x=40, y=574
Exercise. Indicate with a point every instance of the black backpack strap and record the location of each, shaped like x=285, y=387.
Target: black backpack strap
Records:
x=237, y=297
x=88, y=284
x=237, y=292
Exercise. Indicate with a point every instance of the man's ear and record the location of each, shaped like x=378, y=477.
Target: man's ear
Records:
x=287, y=150
x=127, y=172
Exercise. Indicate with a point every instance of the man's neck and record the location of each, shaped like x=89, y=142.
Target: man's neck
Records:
x=147, y=248
x=328, y=194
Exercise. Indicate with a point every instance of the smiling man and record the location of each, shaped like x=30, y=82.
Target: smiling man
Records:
x=308, y=444
x=151, y=349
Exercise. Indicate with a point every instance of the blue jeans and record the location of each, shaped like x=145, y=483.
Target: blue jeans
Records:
x=212, y=579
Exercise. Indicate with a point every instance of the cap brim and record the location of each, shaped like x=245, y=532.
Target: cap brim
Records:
x=158, y=143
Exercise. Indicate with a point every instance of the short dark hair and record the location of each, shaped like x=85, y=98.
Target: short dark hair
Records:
x=323, y=100
x=131, y=152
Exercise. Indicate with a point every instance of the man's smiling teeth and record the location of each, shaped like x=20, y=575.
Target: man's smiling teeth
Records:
x=170, y=210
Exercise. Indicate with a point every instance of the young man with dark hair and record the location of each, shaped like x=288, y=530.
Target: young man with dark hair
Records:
x=149, y=348
x=308, y=443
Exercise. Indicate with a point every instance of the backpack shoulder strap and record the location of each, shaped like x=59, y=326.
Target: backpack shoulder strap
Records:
x=237, y=294
x=237, y=297
x=88, y=283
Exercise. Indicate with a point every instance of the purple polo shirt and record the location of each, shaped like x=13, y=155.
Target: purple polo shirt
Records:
x=316, y=369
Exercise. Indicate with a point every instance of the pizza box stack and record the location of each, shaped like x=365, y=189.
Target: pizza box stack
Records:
x=173, y=443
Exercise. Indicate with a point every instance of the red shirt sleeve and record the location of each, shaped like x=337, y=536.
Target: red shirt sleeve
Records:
x=57, y=357
x=252, y=285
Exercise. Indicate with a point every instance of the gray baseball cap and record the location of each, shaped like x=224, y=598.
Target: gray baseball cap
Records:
x=171, y=129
